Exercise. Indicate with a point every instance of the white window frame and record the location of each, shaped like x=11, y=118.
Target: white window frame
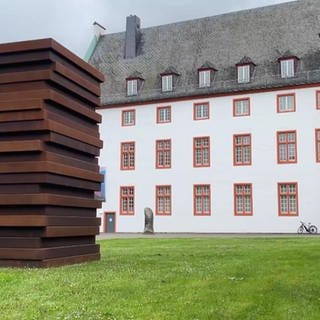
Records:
x=167, y=83
x=286, y=103
x=243, y=73
x=204, y=78
x=132, y=87
x=287, y=68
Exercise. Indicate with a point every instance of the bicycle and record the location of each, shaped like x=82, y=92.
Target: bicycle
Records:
x=310, y=228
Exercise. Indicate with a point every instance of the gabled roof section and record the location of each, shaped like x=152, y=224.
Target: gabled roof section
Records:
x=288, y=55
x=261, y=34
x=245, y=60
x=170, y=70
x=207, y=66
x=135, y=75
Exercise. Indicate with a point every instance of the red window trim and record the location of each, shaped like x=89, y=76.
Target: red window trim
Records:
x=297, y=200
x=317, y=142
x=278, y=147
x=236, y=164
x=195, y=165
x=128, y=213
x=199, y=104
x=157, y=197
x=134, y=118
x=234, y=199
x=317, y=100
x=234, y=107
x=157, y=151
x=122, y=167
x=194, y=200
x=158, y=114
x=285, y=95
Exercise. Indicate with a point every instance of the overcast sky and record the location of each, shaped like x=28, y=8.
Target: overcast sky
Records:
x=70, y=21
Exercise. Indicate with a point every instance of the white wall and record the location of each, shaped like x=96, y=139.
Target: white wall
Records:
x=264, y=173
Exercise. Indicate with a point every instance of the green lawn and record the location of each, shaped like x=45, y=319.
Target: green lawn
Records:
x=202, y=278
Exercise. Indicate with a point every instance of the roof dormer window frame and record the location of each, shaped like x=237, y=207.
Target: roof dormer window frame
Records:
x=168, y=79
x=134, y=85
x=245, y=70
x=204, y=77
x=288, y=64
x=287, y=67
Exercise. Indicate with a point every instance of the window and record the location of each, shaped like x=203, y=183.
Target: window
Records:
x=201, y=111
x=287, y=147
x=243, y=73
x=163, y=114
x=242, y=199
x=202, y=200
x=127, y=155
x=128, y=118
x=287, y=68
x=242, y=149
x=318, y=99
x=163, y=154
x=241, y=107
x=167, y=83
x=163, y=200
x=204, y=78
x=318, y=145
x=132, y=87
x=288, y=199
x=286, y=103
x=127, y=200
x=201, y=152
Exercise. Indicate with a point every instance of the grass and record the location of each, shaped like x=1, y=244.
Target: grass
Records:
x=202, y=278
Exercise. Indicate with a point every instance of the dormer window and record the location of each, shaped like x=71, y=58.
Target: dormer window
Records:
x=288, y=65
x=132, y=87
x=167, y=83
x=168, y=79
x=134, y=84
x=245, y=70
x=204, y=78
x=287, y=68
x=205, y=74
x=244, y=73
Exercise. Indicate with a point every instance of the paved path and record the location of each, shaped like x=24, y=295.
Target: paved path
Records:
x=198, y=235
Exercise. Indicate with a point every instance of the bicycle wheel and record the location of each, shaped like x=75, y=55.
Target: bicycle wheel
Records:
x=313, y=229
x=300, y=229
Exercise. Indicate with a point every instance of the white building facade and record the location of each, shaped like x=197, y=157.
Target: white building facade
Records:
x=237, y=158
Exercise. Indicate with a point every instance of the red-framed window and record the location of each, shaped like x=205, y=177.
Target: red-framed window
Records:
x=201, y=152
x=317, y=139
x=241, y=107
x=164, y=114
x=163, y=200
x=128, y=155
x=128, y=117
x=318, y=99
x=287, y=147
x=242, y=149
x=201, y=200
x=286, y=103
x=163, y=154
x=288, y=199
x=201, y=111
x=127, y=200
x=243, y=199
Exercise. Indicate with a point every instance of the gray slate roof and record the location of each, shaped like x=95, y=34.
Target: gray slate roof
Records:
x=263, y=34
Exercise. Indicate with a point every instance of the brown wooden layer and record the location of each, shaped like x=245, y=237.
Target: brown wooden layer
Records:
x=21, y=146
x=47, y=199
x=46, y=253
x=50, y=262
x=45, y=44
x=43, y=221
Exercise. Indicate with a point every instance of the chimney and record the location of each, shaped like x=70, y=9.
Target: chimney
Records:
x=132, y=37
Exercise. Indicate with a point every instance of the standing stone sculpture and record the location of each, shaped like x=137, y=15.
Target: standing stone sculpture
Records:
x=148, y=220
